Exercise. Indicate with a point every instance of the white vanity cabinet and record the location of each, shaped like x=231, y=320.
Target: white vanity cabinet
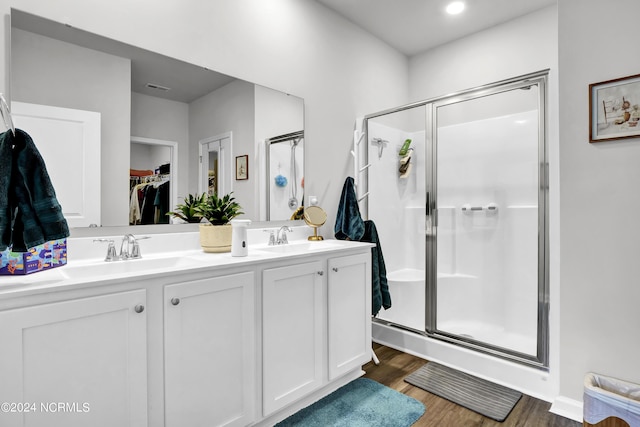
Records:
x=209, y=346
x=349, y=313
x=293, y=313
x=79, y=362
x=207, y=341
x=316, y=325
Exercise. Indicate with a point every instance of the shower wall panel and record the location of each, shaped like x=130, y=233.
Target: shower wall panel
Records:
x=397, y=206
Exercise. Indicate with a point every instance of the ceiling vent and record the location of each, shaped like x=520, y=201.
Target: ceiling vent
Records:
x=157, y=87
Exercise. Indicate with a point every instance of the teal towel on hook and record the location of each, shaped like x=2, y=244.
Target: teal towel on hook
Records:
x=349, y=223
x=29, y=210
x=350, y=226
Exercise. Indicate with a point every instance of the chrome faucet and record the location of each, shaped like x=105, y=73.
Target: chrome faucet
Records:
x=282, y=235
x=130, y=248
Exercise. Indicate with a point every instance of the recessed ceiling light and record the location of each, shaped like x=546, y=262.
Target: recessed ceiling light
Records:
x=455, y=8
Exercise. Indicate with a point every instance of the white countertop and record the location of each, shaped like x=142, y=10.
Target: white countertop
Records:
x=181, y=253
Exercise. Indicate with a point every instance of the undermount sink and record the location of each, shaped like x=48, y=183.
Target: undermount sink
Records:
x=95, y=270
x=301, y=247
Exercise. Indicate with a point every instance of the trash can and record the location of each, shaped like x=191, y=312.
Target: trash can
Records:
x=610, y=402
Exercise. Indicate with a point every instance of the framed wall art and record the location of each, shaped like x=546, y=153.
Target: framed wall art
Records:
x=242, y=167
x=614, y=109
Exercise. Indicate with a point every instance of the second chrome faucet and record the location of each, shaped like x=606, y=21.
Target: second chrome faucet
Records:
x=279, y=237
x=129, y=248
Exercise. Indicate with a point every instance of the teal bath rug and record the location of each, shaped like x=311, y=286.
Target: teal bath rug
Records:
x=361, y=403
x=481, y=396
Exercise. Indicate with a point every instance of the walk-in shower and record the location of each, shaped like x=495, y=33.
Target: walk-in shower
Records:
x=464, y=232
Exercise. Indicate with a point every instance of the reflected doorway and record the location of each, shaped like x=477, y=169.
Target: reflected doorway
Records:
x=215, y=164
x=152, y=180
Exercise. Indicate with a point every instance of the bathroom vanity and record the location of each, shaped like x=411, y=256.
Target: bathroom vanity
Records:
x=184, y=338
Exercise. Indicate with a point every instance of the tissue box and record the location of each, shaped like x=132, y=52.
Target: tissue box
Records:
x=39, y=258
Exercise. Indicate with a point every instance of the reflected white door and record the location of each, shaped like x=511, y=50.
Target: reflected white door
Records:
x=66, y=137
x=216, y=162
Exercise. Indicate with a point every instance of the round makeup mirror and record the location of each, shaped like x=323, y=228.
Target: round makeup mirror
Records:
x=315, y=217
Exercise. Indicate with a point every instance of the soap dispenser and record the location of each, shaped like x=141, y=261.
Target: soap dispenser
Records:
x=239, y=245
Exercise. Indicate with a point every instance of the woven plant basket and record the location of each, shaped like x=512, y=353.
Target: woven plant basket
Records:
x=215, y=238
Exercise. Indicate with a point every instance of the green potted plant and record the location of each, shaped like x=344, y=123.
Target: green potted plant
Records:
x=187, y=211
x=215, y=236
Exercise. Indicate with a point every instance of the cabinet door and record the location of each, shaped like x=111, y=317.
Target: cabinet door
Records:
x=75, y=363
x=349, y=313
x=292, y=341
x=210, y=352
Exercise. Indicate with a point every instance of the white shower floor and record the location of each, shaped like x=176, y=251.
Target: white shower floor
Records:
x=492, y=334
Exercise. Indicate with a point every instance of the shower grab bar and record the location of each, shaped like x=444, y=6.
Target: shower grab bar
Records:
x=489, y=207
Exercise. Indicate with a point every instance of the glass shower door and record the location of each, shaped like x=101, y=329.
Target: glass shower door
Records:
x=396, y=203
x=487, y=246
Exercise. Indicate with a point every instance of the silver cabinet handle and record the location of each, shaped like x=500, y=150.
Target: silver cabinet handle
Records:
x=139, y=308
x=320, y=273
x=175, y=301
x=335, y=269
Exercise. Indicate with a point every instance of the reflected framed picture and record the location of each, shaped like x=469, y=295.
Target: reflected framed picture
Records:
x=614, y=109
x=242, y=167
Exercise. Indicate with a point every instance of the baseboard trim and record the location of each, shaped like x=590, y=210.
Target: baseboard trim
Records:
x=568, y=408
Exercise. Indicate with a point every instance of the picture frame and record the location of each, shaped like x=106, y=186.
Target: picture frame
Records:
x=242, y=167
x=614, y=109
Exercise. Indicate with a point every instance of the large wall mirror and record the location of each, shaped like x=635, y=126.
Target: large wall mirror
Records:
x=122, y=128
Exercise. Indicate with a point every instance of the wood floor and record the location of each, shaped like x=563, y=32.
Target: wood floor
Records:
x=395, y=366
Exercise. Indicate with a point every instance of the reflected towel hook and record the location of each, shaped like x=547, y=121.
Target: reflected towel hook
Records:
x=6, y=115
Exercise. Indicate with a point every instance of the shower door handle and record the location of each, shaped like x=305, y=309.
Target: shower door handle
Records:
x=430, y=219
x=427, y=204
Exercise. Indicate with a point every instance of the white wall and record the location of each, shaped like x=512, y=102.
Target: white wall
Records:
x=518, y=47
x=600, y=201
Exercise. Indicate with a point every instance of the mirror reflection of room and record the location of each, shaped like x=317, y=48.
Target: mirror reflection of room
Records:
x=134, y=93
